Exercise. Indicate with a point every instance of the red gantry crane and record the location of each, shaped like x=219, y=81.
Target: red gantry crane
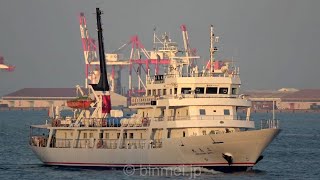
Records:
x=140, y=60
x=5, y=66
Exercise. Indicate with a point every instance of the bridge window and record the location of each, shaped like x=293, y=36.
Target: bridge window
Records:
x=199, y=90
x=185, y=90
x=212, y=90
x=223, y=90
x=158, y=77
x=234, y=90
x=226, y=112
x=202, y=111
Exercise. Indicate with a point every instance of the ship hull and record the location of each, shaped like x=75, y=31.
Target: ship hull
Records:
x=196, y=151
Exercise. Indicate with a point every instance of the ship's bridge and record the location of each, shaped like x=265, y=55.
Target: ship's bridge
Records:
x=165, y=88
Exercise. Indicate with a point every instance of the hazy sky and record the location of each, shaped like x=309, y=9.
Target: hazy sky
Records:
x=276, y=43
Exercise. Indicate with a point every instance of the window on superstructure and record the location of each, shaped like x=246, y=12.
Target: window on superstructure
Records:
x=118, y=135
x=154, y=92
x=234, y=90
x=175, y=90
x=140, y=135
x=169, y=133
x=170, y=91
x=185, y=90
x=100, y=135
x=107, y=135
x=164, y=91
x=212, y=90
x=226, y=112
x=183, y=134
x=149, y=92
x=202, y=111
x=223, y=90
x=91, y=135
x=199, y=90
x=85, y=135
x=131, y=135
x=204, y=132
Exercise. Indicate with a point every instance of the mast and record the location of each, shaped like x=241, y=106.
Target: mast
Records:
x=103, y=81
x=211, y=48
x=102, y=87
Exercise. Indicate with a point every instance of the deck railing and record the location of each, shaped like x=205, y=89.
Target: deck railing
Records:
x=86, y=122
x=39, y=141
x=270, y=124
x=62, y=143
x=133, y=144
x=204, y=117
x=107, y=143
x=146, y=100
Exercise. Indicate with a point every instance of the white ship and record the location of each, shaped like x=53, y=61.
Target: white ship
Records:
x=187, y=117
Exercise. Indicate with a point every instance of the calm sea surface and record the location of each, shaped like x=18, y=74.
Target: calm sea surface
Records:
x=294, y=154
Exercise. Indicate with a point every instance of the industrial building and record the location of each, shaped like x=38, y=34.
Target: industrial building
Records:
x=285, y=99
x=46, y=97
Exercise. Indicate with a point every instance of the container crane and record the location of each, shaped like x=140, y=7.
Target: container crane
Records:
x=5, y=66
x=91, y=59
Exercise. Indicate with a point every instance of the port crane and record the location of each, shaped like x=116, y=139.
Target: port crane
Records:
x=4, y=66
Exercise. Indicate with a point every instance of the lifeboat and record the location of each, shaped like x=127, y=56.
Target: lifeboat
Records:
x=79, y=103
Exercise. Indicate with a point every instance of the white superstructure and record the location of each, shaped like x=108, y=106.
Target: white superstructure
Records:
x=187, y=116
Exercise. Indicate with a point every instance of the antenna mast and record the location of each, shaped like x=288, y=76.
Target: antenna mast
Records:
x=211, y=47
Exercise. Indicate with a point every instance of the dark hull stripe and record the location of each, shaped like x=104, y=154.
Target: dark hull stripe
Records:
x=155, y=165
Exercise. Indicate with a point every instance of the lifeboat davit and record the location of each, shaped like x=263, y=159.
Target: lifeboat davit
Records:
x=79, y=103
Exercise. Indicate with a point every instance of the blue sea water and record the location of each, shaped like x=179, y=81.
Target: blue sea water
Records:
x=294, y=154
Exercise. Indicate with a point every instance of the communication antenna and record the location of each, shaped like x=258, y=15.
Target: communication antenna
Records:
x=211, y=47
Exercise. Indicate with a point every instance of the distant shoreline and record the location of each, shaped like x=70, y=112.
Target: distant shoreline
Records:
x=286, y=111
x=23, y=108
